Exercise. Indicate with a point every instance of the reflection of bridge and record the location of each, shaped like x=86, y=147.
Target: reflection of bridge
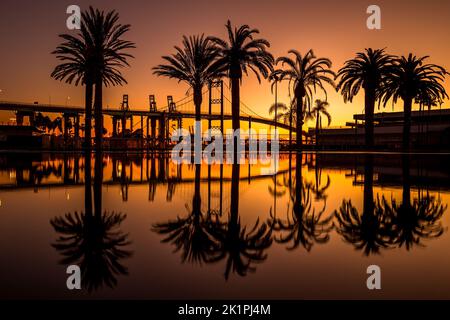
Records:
x=155, y=124
x=40, y=174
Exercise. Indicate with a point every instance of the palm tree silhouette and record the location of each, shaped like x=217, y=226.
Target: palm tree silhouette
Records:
x=241, y=53
x=285, y=114
x=77, y=67
x=94, y=57
x=319, y=109
x=304, y=74
x=193, y=64
x=192, y=234
x=416, y=220
x=317, y=189
x=279, y=108
x=303, y=226
x=93, y=240
x=411, y=79
x=240, y=248
x=367, y=70
x=371, y=230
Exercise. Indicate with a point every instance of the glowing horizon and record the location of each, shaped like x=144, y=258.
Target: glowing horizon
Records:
x=333, y=30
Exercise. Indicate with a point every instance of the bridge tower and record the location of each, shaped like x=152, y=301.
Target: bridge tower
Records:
x=152, y=119
x=125, y=106
x=152, y=101
x=171, y=105
x=216, y=99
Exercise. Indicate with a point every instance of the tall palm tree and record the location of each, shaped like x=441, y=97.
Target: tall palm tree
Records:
x=305, y=75
x=95, y=57
x=192, y=64
x=411, y=79
x=319, y=109
x=367, y=70
x=77, y=67
x=109, y=56
x=241, y=53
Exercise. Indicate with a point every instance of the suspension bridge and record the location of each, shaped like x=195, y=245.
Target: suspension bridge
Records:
x=155, y=124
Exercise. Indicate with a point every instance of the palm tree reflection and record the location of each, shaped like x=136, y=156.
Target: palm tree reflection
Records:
x=240, y=248
x=92, y=239
x=205, y=238
x=416, y=220
x=192, y=235
x=303, y=225
x=371, y=230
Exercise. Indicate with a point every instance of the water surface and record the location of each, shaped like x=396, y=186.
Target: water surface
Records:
x=143, y=227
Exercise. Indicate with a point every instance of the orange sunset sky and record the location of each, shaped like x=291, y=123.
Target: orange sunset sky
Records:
x=334, y=29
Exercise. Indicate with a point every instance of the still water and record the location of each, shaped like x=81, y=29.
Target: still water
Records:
x=142, y=227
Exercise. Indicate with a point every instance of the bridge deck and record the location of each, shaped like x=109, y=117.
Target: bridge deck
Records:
x=46, y=108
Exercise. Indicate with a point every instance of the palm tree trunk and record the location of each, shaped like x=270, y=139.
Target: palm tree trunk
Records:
x=198, y=99
x=233, y=220
x=235, y=102
x=369, y=110
x=87, y=184
x=407, y=124
x=98, y=180
x=98, y=106
x=406, y=180
x=88, y=117
x=299, y=124
x=290, y=129
x=317, y=128
x=196, y=201
x=298, y=180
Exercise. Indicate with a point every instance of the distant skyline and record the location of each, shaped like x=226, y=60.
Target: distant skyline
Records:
x=336, y=30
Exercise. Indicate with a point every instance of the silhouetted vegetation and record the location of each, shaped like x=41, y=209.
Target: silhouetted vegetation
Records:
x=304, y=74
x=92, y=239
x=94, y=57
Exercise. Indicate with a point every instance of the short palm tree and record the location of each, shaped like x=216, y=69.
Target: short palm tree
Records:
x=192, y=64
x=409, y=80
x=285, y=114
x=241, y=53
x=319, y=109
x=94, y=57
x=367, y=70
x=305, y=75
x=278, y=108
